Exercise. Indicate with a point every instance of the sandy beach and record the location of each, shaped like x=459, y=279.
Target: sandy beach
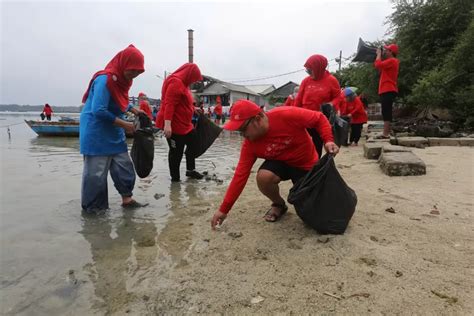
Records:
x=412, y=261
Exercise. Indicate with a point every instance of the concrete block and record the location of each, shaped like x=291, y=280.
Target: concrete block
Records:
x=373, y=150
x=466, y=141
x=402, y=164
x=389, y=148
x=375, y=140
x=418, y=142
x=438, y=141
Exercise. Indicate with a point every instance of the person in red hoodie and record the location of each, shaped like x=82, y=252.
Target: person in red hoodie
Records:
x=280, y=137
x=318, y=88
x=218, y=110
x=388, y=87
x=290, y=101
x=47, y=111
x=175, y=118
x=144, y=105
x=356, y=113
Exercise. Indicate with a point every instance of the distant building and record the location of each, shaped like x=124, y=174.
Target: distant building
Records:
x=279, y=95
x=208, y=90
x=261, y=89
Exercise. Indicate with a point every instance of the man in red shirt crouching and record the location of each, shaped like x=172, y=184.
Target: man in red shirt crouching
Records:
x=280, y=137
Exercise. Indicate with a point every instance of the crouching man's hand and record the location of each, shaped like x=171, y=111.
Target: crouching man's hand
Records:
x=218, y=219
x=331, y=148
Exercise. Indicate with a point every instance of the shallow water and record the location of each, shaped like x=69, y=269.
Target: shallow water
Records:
x=53, y=260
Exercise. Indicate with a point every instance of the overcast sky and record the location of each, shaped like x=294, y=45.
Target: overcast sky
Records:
x=49, y=50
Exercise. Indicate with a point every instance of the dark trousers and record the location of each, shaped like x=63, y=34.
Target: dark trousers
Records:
x=356, y=130
x=317, y=141
x=176, y=144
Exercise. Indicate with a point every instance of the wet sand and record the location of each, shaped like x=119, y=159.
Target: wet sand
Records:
x=164, y=259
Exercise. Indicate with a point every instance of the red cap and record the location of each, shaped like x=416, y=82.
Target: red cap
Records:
x=241, y=111
x=392, y=47
x=141, y=94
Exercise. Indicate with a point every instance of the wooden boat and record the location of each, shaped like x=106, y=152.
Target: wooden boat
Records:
x=66, y=128
x=49, y=128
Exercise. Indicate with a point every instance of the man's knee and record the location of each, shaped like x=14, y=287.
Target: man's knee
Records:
x=267, y=177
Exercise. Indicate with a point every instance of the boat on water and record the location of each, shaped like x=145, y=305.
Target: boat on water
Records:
x=54, y=128
x=65, y=128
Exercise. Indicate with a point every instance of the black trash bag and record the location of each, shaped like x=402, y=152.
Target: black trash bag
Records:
x=341, y=130
x=42, y=116
x=204, y=136
x=328, y=111
x=322, y=199
x=143, y=148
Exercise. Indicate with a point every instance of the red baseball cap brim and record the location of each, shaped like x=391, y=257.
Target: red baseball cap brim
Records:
x=233, y=125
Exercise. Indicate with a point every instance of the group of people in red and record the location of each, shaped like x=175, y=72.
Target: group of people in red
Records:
x=289, y=138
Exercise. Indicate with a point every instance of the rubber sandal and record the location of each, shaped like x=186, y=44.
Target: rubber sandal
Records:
x=283, y=209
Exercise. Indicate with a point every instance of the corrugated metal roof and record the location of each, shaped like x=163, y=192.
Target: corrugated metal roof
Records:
x=217, y=88
x=283, y=91
x=261, y=88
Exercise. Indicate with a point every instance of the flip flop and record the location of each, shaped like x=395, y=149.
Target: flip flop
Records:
x=283, y=209
x=133, y=205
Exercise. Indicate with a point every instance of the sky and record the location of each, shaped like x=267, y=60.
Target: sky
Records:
x=50, y=49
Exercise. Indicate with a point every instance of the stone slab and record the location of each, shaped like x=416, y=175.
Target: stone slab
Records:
x=402, y=164
x=466, y=141
x=439, y=141
x=389, y=148
x=373, y=150
x=376, y=140
x=418, y=142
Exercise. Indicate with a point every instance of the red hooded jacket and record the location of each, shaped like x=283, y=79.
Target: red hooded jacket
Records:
x=323, y=89
x=356, y=109
x=128, y=59
x=177, y=101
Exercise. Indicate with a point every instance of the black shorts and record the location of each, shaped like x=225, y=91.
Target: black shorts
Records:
x=283, y=171
x=386, y=99
x=218, y=117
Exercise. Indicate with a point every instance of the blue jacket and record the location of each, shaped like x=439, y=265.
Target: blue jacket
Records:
x=97, y=134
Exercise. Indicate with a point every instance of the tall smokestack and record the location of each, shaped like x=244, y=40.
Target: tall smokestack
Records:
x=190, y=46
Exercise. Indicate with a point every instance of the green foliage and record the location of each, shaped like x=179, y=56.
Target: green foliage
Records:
x=436, y=40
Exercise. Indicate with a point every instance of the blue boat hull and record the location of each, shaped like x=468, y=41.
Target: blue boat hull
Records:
x=54, y=128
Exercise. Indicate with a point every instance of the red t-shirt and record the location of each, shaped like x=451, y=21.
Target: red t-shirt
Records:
x=177, y=107
x=356, y=109
x=388, y=74
x=286, y=140
x=313, y=93
x=145, y=107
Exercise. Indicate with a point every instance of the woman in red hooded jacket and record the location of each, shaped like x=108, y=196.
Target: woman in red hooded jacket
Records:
x=318, y=88
x=356, y=112
x=175, y=118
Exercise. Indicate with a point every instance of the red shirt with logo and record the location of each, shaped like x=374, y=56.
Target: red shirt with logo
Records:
x=313, y=93
x=286, y=140
x=388, y=74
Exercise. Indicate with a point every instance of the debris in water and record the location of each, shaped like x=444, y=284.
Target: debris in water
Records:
x=158, y=196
